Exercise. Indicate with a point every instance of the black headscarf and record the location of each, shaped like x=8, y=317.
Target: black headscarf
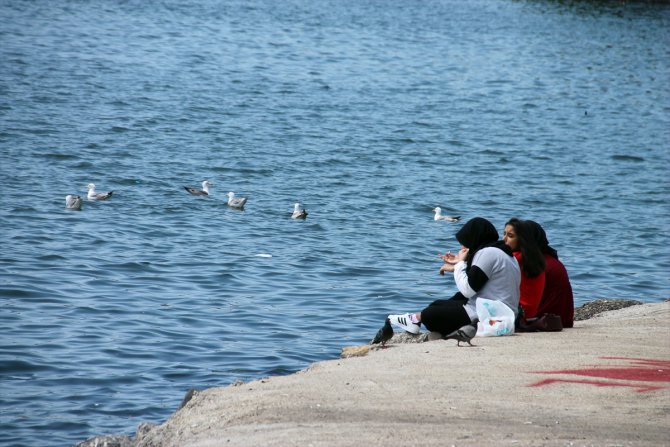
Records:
x=478, y=233
x=540, y=236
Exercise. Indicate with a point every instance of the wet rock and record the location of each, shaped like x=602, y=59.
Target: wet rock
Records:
x=593, y=308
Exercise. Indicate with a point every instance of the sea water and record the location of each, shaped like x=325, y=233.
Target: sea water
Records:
x=369, y=113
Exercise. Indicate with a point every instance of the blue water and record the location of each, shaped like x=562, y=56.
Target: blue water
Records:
x=369, y=112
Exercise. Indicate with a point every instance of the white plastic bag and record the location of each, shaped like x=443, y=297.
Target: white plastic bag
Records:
x=495, y=318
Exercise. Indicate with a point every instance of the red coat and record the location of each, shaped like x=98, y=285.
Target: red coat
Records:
x=557, y=297
x=531, y=291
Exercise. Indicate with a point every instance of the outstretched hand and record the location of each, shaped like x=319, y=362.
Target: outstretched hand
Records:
x=450, y=260
x=448, y=257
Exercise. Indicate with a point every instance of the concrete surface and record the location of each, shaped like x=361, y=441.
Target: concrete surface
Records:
x=605, y=382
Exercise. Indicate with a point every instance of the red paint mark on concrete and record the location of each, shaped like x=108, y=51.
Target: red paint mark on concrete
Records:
x=639, y=388
x=638, y=374
x=641, y=370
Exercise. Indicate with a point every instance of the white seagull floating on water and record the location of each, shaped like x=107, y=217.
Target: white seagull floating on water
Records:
x=92, y=195
x=73, y=202
x=236, y=202
x=439, y=216
x=298, y=212
x=198, y=192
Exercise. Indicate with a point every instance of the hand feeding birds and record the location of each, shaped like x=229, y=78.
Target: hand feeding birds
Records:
x=384, y=334
x=94, y=195
x=236, y=202
x=199, y=192
x=299, y=212
x=73, y=202
x=464, y=334
x=439, y=216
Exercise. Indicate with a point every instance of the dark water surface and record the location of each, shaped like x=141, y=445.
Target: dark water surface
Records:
x=369, y=112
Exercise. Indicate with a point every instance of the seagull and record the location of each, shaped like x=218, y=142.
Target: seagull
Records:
x=236, y=202
x=73, y=202
x=464, y=334
x=92, y=195
x=298, y=213
x=198, y=192
x=439, y=216
x=384, y=334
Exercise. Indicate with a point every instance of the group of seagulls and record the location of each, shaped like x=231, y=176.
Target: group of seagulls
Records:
x=74, y=202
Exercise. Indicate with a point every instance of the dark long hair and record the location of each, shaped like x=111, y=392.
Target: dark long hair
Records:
x=476, y=234
x=532, y=259
x=538, y=233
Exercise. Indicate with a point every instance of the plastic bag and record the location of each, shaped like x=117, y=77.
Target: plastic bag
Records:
x=495, y=318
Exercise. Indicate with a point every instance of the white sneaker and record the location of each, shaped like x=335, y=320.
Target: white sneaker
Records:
x=405, y=322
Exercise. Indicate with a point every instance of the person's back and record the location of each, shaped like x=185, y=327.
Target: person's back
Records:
x=504, y=276
x=557, y=297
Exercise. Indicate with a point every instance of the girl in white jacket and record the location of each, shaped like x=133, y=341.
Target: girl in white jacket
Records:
x=483, y=268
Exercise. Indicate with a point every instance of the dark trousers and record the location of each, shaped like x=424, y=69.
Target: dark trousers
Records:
x=445, y=316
